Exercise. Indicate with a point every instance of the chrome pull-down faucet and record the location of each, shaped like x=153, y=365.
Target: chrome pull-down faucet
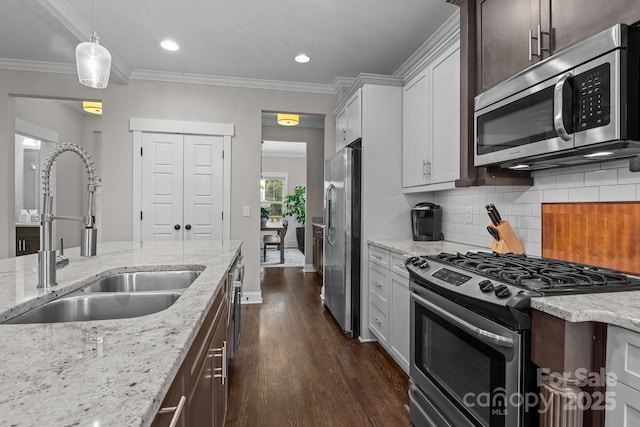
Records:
x=47, y=254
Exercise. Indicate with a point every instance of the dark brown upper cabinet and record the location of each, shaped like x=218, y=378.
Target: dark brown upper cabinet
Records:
x=507, y=39
x=512, y=35
x=500, y=38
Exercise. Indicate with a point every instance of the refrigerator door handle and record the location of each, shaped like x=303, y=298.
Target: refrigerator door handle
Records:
x=328, y=198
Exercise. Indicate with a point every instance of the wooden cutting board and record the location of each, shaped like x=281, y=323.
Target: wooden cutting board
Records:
x=605, y=234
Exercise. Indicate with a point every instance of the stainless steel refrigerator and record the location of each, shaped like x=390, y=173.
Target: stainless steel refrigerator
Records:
x=342, y=237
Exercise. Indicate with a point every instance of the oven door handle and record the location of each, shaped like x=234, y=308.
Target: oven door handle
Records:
x=481, y=334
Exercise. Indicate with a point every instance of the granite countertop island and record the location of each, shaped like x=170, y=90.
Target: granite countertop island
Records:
x=106, y=372
x=616, y=308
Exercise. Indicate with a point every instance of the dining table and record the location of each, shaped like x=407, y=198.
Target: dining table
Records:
x=279, y=228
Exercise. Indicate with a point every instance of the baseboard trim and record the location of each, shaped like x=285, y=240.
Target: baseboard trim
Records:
x=309, y=268
x=252, y=297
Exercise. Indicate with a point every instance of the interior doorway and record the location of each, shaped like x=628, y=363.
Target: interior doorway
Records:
x=284, y=171
x=291, y=169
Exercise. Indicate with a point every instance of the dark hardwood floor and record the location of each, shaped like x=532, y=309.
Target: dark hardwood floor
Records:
x=295, y=367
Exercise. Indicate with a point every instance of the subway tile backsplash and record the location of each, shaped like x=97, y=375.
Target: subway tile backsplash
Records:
x=521, y=206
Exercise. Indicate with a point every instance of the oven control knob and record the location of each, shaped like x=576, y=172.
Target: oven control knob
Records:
x=424, y=264
x=486, y=286
x=502, y=291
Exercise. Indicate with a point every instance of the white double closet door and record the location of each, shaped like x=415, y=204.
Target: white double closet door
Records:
x=182, y=187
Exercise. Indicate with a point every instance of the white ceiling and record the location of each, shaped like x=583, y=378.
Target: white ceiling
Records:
x=232, y=42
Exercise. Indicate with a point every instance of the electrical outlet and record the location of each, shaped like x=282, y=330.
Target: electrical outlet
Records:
x=245, y=211
x=468, y=216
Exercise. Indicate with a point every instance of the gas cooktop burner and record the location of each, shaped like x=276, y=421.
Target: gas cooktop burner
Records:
x=543, y=275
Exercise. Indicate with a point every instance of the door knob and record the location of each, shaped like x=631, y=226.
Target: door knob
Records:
x=188, y=226
x=176, y=227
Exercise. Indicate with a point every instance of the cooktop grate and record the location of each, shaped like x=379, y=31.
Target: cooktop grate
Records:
x=544, y=275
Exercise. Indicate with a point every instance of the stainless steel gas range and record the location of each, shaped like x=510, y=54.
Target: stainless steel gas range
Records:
x=470, y=333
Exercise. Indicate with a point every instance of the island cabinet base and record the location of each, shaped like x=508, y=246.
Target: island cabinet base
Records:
x=198, y=393
x=571, y=357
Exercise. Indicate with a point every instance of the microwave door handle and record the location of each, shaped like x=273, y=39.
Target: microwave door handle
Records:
x=481, y=334
x=558, y=123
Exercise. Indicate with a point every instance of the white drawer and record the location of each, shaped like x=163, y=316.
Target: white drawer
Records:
x=379, y=256
x=378, y=321
x=396, y=262
x=379, y=283
x=627, y=407
x=623, y=355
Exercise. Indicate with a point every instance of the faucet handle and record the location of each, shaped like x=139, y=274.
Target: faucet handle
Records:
x=61, y=260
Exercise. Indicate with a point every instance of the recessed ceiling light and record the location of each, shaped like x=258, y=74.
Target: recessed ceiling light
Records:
x=518, y=167
x=170, y=45
x=302, y=58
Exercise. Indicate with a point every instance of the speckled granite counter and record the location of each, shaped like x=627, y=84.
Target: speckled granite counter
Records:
x=100, y=373
x=617, y=308
x=412, y=248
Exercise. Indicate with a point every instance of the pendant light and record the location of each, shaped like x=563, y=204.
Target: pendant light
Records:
x=93, y=61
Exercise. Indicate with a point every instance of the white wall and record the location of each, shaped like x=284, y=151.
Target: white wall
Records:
x=521, y=206
x=69, y=125
x=160, y=100
x=296, y=169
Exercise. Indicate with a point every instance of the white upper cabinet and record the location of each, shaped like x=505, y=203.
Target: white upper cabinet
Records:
x=349, y=121
x=431, y=123
x=445, y=116
x=415, y=131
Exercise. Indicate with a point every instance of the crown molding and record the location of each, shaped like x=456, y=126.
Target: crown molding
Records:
x=341, y=82
x=444, y=37
x=203, y=79
x=39, y=66
x=73, y=21
x=367, y=78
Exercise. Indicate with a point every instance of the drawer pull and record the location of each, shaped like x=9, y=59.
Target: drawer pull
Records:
x=222, y=353
x=377, y=257
x=177, y=410
x=399, y=266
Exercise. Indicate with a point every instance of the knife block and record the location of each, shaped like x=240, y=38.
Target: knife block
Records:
x=509, y=242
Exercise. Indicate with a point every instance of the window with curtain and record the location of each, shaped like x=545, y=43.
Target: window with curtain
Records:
x=273, y=187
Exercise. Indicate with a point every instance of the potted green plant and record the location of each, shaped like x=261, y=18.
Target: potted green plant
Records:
x=295, y=206
x=264, y=215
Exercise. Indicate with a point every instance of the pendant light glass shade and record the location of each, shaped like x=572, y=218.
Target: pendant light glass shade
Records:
x=93, y=63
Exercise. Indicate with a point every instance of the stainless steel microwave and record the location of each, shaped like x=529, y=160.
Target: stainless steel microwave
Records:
x=577, y=106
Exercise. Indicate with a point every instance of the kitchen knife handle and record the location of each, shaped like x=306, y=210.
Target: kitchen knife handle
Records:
x=496, y=213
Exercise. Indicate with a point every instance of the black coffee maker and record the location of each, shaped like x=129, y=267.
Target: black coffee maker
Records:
x=426, y=222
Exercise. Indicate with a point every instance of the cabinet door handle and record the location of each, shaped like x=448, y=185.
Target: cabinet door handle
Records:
x=377, y=320
x=538, y=40
x=177, y=410
x=377, y=284
x=221, y=353
x=426, y=167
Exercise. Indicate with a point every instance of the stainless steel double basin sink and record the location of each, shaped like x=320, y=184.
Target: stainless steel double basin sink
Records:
x=116, y=296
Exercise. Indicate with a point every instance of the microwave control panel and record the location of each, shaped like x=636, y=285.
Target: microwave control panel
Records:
x=592, y=98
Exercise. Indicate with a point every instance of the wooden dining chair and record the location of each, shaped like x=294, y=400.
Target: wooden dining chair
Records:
x=275, y=239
